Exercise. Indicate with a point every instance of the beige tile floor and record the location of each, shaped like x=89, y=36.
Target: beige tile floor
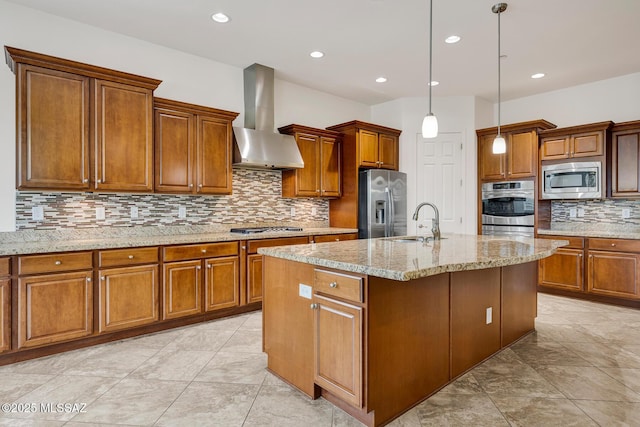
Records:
x=581, y=368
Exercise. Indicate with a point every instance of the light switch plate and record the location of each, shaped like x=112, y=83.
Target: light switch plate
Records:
x=293, y=211
x=304, y=291
x=573, y=212
x=100, y=214
x=182, y=212
x=134, y=212
x=314, y=211
x=489, y=315
x=580, y=212
x=37, y=213
x=626, y=213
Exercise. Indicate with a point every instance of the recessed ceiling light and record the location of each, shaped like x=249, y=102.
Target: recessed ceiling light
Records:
x=537, y=75
x=220, y=17
x=316, y=54
x=381, y=79
x=434, y=83
x=452, y=39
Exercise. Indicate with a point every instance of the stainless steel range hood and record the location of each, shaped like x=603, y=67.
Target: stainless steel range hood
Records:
x=257, y=145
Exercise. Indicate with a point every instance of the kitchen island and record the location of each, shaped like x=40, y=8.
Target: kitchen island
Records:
x=376, y=326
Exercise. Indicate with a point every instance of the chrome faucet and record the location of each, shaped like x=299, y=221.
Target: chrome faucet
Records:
x=435, y=228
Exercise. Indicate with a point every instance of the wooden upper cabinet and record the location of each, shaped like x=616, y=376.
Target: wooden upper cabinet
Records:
x=370, y=145
x=625, y=160
x=59, y=102
x=321, y=175
x=388, y=151
x=193, y=148
x=53, y=129
x=574, y=142
x=521, y=157
x=124, y=137
x=368, y=149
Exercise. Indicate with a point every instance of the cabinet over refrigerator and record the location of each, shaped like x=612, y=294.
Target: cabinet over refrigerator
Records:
x=382, y=203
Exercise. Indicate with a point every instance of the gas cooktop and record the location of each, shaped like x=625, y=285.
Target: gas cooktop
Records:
x=251, y=230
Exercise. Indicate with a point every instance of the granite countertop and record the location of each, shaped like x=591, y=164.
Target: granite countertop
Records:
x=31, y=242
x=593, y=230
x=392, y=259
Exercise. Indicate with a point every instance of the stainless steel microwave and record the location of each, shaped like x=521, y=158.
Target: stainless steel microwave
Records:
x=572, y=180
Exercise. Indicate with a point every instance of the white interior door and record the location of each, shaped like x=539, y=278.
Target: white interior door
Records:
x=440, y=180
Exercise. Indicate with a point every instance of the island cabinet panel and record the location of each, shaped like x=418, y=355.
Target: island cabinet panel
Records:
x=338, y=333
x=128, y=297
x=407, y=350
x=5, y=304
x=54, y=308
x=519, y=301
x=290, y=349
x=475, y=334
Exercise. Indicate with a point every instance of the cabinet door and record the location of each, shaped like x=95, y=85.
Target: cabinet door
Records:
x=213, y=155
x=554, y=148
x=307, y=183
x=587, y=144
x=338, y=348
x=128, y=297
x=614, y=274
x=562, y=270
x=222, y=283
x=522, y=155
x=388, y=151
x=5, y=315
x=330, y=167
x=124, y=137
x=182, y=286
x=54, y=308
x=53, y=133
x=174, y=141
x=491, y=165
x=254, y=278
x=625, y=162
x=368, y=142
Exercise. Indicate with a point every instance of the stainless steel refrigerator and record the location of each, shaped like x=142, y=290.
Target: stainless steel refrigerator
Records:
x=382, y=203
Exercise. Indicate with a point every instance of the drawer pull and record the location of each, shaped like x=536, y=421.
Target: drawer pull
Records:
x=58, y=262
x=333, y=284
x=613, y=244
x=337, y=239
x=314, y=306
x=130, y=256
x=204, y=251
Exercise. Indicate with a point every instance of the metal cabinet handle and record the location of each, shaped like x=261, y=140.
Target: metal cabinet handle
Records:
x=199, y=185
x=88, y=279
x=102, y=277
x=130, y=257
x=204, y=251
x=58, y=262
x=613, y=244
x=209, y=265
x=85, y=180
x=244, y=248
x=333, y=284
x=198, y=268
x=99, y=181
x=314, y=306
x=190, y=185
x=317, y=191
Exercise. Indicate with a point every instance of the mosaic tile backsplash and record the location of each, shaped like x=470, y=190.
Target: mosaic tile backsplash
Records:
x=605, y=213
x=256, y=198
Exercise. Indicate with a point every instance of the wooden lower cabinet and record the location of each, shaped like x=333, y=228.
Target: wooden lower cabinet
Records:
x=614, y=274
x=182, y=294
x=5, y=315
x=54, y=308
x=222, y=283
x=563, y=270
x=128, y=297
x=334, y=237
x=338, y=348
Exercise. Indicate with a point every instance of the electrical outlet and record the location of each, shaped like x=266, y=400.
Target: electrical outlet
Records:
x=580, y=212
x=626, y=213
x=304, y=290
x=182, y=212
x=314, y=211
x=293, y=211
x=489, y=315
x=573, y=212
x=100, y=213
x=134, y=212
x=37, y=213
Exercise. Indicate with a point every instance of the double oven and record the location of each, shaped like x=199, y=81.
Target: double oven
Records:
x=508, y=208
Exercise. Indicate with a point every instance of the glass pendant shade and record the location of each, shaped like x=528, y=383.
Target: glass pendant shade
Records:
x=499, y=145
x=429, y=126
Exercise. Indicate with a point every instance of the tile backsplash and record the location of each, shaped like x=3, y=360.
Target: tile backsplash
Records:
x=256, y=198
x=606, y=213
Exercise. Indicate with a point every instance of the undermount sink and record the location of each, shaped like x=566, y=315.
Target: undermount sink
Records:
x=412, y=239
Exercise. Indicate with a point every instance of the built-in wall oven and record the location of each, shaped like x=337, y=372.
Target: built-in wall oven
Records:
x=508, y=208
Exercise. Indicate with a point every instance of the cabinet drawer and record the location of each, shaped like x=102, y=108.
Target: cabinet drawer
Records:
x=5, y=267
x=35, y=264
x=574, y=242
x=335, y=237
x=619, y=245
x=253, y=245
x=205, y=250
x=338, y=285
x=128, y=257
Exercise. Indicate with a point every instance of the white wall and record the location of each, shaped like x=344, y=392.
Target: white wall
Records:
x=616, y=99
x=185, y=77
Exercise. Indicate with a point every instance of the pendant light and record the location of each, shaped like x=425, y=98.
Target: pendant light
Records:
x=499, y=144
x=430, y=123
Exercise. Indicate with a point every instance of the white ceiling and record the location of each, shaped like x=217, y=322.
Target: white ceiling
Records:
x=572, y=41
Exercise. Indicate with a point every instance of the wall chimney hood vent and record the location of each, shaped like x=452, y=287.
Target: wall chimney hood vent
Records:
x=257, y=145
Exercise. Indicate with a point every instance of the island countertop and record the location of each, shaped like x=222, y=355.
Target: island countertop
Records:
x=395, y=259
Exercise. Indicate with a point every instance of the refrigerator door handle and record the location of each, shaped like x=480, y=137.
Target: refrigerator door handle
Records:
x=392, y=213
